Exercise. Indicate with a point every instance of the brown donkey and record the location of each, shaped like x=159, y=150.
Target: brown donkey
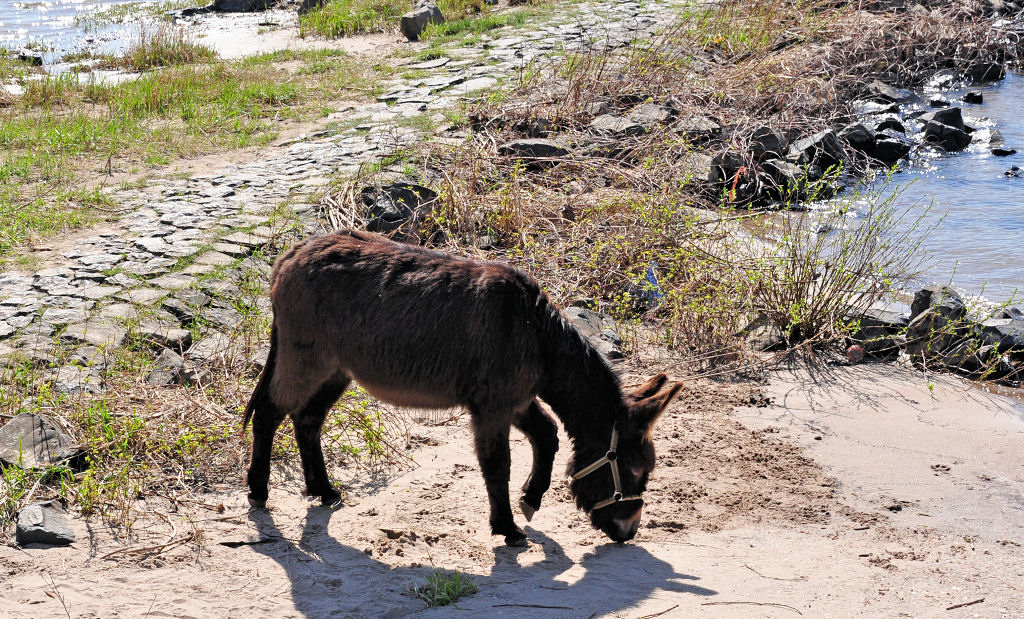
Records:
x=420, y=328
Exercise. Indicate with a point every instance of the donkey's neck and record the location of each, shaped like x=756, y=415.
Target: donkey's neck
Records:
x=581, y=389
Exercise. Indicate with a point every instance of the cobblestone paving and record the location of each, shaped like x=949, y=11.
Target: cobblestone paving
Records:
x=177, y=259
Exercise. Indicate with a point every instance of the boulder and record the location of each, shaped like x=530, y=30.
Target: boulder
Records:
x=241, y=6
x=822, y=149
x=785, y=181
x=310, y=5
x=859, y=137
x=1005, y=334
x=974, y=97
x=880, y=332
x=616, y=126
x=889, y=149
x=415, y=22
x=44, y=523
x=697, y=128
x=880, y=92
x=651, y=114
x=533, y=149
x=937, y=320
x=890, y=124
x=985, y=71
x=599, y=329
x=951, y=117
x=398, y=205
x=949, y=138
x=938, y=101
x=768, y=143
x=33, y=441
x=160, y=335
x=166, y=369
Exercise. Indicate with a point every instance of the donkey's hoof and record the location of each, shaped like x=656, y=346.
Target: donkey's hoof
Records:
x=528, y=510
x=257, y=503
x=331, y=498
x=517, y=540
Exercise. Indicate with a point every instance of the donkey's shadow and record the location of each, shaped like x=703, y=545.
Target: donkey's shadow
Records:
x=330, y=579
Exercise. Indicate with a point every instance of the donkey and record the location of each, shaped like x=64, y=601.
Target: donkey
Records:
x=420, y=328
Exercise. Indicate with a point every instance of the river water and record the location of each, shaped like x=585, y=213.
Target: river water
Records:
x=56, y=27
x=979, y=245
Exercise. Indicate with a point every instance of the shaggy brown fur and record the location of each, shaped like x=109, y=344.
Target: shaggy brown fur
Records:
x=420, y=328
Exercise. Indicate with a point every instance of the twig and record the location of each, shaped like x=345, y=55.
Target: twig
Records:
x=532, y=606
x=158, y=548
x=977, y=601
x=774, y=577
x=754, y=604
x=48, y=578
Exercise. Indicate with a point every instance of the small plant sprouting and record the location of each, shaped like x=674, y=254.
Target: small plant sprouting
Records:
x=442, y=588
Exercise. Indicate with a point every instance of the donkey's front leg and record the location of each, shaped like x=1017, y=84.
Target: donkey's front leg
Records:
x=492, y=450
x=542, y=432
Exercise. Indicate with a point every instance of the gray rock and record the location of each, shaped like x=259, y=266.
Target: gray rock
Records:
x=822, y=149
x=241, y=6
x=398, y=205
x=415, y=22
x=949, y=138
x=890, y=124
x=616, y=126
x=881, y=92
x=889, y=149
x=951, y=117
x=599, y=329
x=73, y=379
x=44, y=523
x=160, y=335
x=937, y=320
x=859, y=137
x=697, y=128
x=167, y=369
x=31, y=441
x=96, y=333
x=768, y=143
x=1006, y=334
x=985, y=71
x=651, y=114
x=881, y=332
x=536, y=148
x=212, y=348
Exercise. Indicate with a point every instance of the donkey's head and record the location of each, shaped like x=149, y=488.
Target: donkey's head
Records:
x=609, y=484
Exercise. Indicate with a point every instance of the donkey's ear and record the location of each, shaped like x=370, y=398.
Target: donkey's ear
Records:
x=647, y=411
x=649, y=388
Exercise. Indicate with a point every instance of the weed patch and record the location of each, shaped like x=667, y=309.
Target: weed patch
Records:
x=444, y=589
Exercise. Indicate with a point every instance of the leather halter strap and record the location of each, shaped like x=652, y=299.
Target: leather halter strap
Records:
x=610, y=458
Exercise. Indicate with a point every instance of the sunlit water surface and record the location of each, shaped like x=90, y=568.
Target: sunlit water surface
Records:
x=979, y=245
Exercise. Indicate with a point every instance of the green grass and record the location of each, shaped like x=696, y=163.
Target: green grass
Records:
x=60, y=131
x=340, y=18
x=443, y=589
x=452, y=30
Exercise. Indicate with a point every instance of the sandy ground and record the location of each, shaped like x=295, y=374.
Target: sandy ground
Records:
x=850, y=491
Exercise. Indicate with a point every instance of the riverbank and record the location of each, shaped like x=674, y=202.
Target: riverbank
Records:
x=853, y=491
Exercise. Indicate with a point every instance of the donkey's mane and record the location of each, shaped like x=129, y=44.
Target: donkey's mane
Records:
x=580, y=386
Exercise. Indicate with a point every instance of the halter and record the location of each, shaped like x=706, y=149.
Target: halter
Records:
x=609, y=458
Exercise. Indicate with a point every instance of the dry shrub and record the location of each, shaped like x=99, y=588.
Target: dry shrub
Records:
x=622, y=210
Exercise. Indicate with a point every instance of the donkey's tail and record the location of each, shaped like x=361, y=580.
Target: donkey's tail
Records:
x=261, y=393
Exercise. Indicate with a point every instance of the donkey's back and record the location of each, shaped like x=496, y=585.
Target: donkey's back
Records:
x=414, y=327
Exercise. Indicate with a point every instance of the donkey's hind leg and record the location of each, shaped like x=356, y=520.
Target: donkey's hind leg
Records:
x=308, y=424
x=542, y=432
x=492, y=450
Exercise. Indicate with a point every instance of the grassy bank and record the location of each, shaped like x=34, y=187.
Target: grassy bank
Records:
x=62, y=129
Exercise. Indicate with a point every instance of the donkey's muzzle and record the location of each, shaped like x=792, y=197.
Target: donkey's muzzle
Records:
x=624, y=529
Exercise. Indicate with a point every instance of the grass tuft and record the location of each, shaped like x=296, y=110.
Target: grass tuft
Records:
x=443, y=589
